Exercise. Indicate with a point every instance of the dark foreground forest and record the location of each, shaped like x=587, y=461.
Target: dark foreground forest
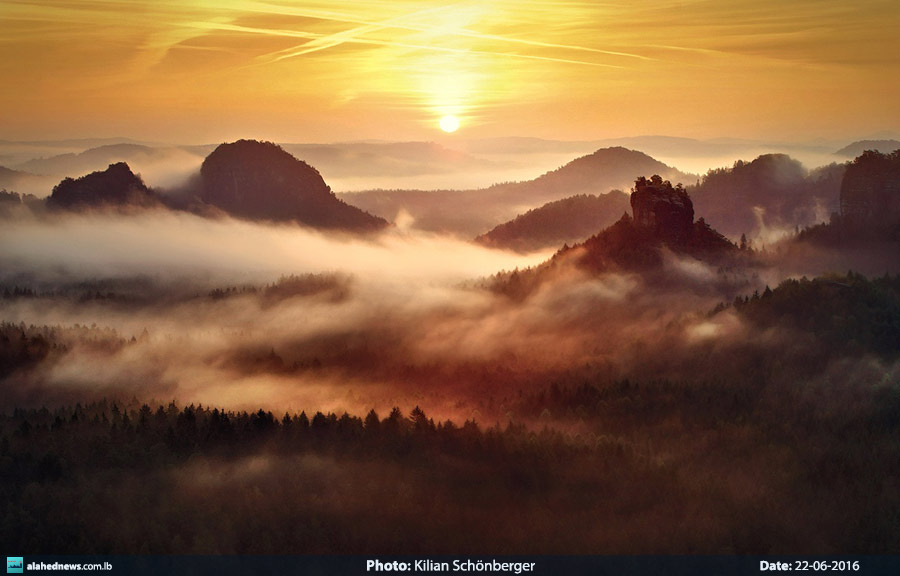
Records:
x=655, y=467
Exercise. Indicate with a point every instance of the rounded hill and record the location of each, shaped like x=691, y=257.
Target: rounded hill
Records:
x=261, y=181
x=115, y=186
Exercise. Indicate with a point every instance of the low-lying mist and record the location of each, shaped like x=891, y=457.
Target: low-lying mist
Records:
x=161, y=275
x=173, y=306
x=176, y=384
x=172, y=244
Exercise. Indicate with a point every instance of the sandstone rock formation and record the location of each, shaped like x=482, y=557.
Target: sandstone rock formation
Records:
x=666, y=211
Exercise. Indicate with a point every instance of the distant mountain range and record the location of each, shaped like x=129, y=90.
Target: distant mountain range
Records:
x=13, y=179
x=769, y=198
x=352, y=164
x=163, y=166
x=90, y=160
x=470, y=212
x=19, y=181
x=655, y=145
x=365, y=159
x=460, y=164
x=764, y=198
x=688, y=154
x=855, y=149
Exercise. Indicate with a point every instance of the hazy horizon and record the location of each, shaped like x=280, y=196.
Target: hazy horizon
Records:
x=436, y=164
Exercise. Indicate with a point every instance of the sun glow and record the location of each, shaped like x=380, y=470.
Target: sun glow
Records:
x=449, y=123
x=360, y=70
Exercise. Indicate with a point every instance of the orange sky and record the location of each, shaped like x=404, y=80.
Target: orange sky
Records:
x=214, y=70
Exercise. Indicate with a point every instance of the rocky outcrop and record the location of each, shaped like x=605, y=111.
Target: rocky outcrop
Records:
x=663, y=223
x=665, y=211
x=663, y=216
x=260, y=181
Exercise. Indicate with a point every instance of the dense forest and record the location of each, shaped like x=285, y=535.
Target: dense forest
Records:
x=847, y=314
x=668, y=467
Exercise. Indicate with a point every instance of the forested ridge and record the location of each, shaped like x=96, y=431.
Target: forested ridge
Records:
x=847, y=313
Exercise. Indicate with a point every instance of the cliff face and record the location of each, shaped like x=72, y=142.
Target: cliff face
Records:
x=259, y=180
x=115, y=186
x=666, y=212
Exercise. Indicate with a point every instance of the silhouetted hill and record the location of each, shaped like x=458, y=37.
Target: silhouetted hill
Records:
x=870, y=189
x=772, y=193
x=470, y=212
x=115, y=186
x=686, y=153
x=869, y=203
x=601, y=171
x=856, y=148
x=663, y=219
x=259, y=180
x=571, y=219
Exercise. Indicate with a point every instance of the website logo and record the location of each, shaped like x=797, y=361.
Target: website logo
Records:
x=15, y=565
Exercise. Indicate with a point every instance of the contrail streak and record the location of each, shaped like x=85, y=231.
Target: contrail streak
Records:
x=398, y=23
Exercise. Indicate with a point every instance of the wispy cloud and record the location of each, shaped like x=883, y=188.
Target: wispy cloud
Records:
x=122, y=62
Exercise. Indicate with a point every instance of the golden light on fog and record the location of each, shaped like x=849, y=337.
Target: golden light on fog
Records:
x=449, y=123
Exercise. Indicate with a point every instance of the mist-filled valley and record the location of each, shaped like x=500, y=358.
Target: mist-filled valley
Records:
x=222, y=355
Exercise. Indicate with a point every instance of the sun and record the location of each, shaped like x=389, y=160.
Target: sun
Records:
x=449, y=123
